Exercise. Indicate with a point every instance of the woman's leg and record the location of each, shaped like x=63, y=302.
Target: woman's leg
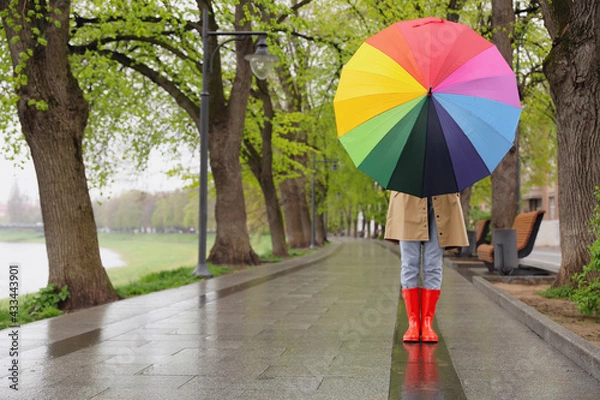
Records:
x=433, y=257
x=410, y=254
x=432, y=281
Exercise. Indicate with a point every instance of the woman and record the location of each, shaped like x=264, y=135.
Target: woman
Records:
x=427, y=226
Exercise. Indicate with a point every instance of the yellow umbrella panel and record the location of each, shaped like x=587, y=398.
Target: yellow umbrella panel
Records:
x=371, y=83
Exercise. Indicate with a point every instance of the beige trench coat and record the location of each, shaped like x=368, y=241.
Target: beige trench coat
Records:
x=407, y=219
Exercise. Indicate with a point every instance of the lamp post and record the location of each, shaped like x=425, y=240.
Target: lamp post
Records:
x=261, y=63
x=312, y=198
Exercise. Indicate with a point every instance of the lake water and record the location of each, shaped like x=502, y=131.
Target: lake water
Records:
x=33, y=265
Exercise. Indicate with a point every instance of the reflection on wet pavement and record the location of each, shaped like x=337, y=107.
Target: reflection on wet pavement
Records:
x=422, y=370
x=421, y=376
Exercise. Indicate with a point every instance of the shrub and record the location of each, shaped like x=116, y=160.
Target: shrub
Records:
x=562, y=292
x=36, y=306
x=46, y=301
x=587, y=293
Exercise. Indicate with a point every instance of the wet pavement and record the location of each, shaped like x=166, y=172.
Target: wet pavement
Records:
x=319, y=328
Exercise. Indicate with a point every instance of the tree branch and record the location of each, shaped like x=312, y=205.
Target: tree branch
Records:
x=294, y=8
x=166, y=84
x=80, y=21
x=95, y=46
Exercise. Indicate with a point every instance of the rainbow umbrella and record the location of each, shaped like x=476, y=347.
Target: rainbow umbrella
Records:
x=427, y=107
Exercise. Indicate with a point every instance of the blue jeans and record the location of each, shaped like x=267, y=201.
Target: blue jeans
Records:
x=410, y=253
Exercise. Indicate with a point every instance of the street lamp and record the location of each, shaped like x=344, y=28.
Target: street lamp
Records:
x=261, y=63
x=312, y=198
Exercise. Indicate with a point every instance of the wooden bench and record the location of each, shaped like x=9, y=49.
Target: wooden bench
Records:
x=482, y=227
x=526, y=226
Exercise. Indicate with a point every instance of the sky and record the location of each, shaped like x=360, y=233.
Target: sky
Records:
x=152, y=180
x=9, y=175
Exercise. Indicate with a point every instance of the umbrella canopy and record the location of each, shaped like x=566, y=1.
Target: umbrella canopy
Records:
x=427, y=107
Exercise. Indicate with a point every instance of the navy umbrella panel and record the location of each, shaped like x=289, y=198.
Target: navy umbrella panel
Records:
x=468, y=165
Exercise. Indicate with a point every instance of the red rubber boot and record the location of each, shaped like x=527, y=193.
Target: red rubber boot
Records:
x=413, y=311
x=429, y=298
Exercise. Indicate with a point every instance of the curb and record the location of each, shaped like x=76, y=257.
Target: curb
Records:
x=574, y=347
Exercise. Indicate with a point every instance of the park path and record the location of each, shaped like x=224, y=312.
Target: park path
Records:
x=320, y=327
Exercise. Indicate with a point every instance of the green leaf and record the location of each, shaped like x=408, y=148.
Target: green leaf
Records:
x=41, y=105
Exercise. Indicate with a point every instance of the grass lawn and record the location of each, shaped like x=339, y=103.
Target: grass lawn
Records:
x=146, y=253
x=25, y=236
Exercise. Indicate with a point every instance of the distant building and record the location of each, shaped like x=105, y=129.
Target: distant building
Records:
x=542, y=198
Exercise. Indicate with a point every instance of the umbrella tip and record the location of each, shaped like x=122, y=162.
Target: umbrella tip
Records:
x=429, y=93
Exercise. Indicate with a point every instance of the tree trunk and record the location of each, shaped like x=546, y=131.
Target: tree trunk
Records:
x=274, y=216
x=262, y=168
x=454, y=6
x=296, y=212
x=232, y=243
x=320, y=199
x=465, y=202
x=320, y=230
x=55, y=140
x=293, y=190
x=305, y=208
x=504, y=177
x=574, y=77
x=350, y=224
